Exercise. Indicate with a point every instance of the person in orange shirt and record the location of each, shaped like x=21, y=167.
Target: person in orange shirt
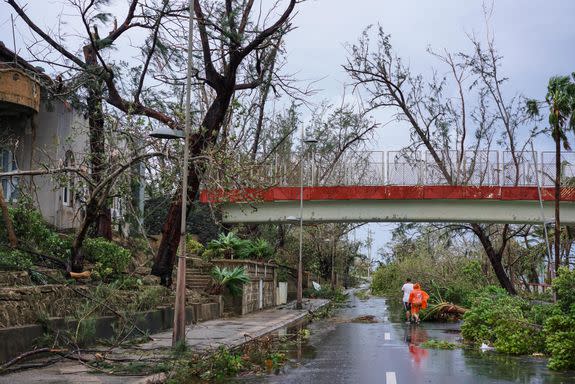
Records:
x=418, y=300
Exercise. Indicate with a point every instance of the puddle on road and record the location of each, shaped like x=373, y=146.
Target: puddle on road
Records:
x=339, y=350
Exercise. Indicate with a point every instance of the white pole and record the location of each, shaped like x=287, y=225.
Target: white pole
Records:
x=552, y=270
x=299, y=297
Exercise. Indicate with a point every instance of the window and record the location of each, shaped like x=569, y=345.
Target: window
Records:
x=9, y=183
x=68, y=190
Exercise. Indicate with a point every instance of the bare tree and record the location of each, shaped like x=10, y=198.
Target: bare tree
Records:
x=447, y=127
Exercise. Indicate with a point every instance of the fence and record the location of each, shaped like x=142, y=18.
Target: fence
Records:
x=474, y=168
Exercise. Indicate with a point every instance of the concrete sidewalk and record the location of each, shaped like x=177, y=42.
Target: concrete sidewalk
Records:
x=201, y=337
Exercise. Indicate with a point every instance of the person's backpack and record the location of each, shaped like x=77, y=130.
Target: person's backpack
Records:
x=417, y=298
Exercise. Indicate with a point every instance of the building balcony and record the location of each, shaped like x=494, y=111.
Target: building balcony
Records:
x=19, y=93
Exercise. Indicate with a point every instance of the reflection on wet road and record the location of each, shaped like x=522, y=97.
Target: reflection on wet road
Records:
x=390, y=351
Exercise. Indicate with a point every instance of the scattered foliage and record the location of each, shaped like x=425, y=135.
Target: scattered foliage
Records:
x=335, y=295
x=362, y=294
x=439, y=344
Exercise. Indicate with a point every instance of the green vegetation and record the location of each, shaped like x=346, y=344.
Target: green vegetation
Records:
x=230, y=246
x=362, y=294
x=231, y=279
x=193, y=246
x=507, y=322
x=450, y=279
x=267, y=354
x=335, y=295
x=14, y=259
x=110, y=260
x=439, y=344
x=33, y=235
x=515, y=326
x=560, y=326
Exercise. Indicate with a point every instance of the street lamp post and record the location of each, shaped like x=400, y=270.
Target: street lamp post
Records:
x=299, y=297
x=179, y=331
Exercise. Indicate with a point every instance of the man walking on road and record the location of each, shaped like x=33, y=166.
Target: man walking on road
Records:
x=407, y=288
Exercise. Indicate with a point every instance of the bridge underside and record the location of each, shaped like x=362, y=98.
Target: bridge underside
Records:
x=453, y=204
x=429, y=210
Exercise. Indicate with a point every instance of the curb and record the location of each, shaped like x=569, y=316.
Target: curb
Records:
x=299, y=318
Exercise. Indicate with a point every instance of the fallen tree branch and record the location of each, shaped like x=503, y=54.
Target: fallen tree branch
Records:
x=30, y=353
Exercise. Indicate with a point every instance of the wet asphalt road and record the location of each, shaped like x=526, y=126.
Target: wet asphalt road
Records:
x=388, y=352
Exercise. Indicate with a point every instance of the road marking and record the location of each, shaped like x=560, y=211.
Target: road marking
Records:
x=390, y=378
x=387, y=336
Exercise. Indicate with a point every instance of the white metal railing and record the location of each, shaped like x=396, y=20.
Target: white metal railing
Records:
x=372, y=168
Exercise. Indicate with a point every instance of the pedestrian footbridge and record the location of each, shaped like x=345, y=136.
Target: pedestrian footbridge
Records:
x=487, y=190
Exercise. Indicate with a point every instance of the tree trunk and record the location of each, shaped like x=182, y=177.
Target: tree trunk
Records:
x=76, y=255
x=495, y=259
x=94, y=214
x=104, y=225
x=166, y=256
x=557, y=234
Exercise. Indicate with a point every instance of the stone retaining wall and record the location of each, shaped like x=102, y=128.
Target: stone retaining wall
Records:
x=18, y=339
x=12, y=278
x=260, y=292
x=26, y=305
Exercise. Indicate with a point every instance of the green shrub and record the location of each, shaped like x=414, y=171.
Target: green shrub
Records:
x=560, y=341
x=224, y=246
x=194, y=247
x=259, y=249
x=35, y=234
x=231, y=246
x=232, y=279
x=14, y=259
x=564, y=287
x=110, y=259
x=505, y=321
x=560, y=326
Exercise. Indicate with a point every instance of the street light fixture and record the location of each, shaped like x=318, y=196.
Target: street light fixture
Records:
x=299, y=296
x=179, y=331
x=164, y=132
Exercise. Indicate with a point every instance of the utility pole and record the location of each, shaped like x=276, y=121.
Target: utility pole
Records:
x=369, y=245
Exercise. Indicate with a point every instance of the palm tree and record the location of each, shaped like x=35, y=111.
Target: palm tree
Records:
x=561, y=101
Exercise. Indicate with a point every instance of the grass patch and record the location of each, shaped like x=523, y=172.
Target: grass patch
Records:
x=439, y=344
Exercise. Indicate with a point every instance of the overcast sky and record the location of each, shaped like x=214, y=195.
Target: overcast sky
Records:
x=536, y=38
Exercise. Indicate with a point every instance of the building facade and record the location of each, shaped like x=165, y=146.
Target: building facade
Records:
x=39, y=133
